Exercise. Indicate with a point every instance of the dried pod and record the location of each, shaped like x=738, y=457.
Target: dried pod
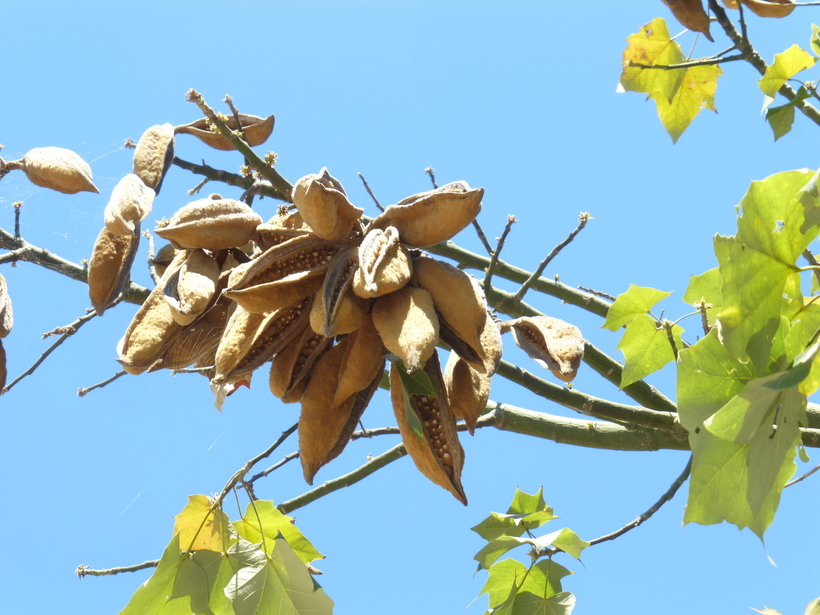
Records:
x=213, y=224
x=130, y=203
x=56, y=168
x=553, y=343
x=3, y=369
x=459, y=301
x=467, y=390
x=6, y=314
x=363, y=361
x=770, y=8
x=325, y=429
x=323, y=204
x=281, y=227
x=292, y=366
x=154, y=154
x=188, y=289
x=432, y=217
x=407, y=323
x=256, y=131
x=384, y=264
x=691, y=15
x=197, y=343
x=282, y=275
x=438, y=453
x=163, y=258
x=336, y=310
x=110, y=266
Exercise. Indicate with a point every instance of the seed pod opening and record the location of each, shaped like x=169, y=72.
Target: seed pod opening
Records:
x=323, y=204
x=255, y=129
x=553, y=343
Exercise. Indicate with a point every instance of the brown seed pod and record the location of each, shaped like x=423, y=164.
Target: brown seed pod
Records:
x=363, y=361
x=281, y=227
x=6, y=314
x=292, y=366
x=213, y=224
x=189, y=288
x=130, y=203
x=384, y=264
x=438, y=455
x=110, y=266
x=3, y=369
x=163, y=258
x=197, y=343
x=154, y=154
x=467, y=390
x=57, y=169
x=336, y=310
x=431, y=217
x=691, y=15
x=256, y=131
x=282, y=275
x=764, y=8
x=324, y=207
x=553, y=343
x=407, y=323
x=324, y=429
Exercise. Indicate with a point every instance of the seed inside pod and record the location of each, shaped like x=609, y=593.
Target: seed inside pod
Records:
x=384, y=264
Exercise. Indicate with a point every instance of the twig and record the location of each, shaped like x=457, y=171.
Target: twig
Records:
x=374, y=464
x=799, y=478
x=690, y=64
x=495, y=253
x=432, y=174
x=812, y=261
x=229, y=101
x=85, y=571
x=198, y=187
x=231, y=179
x=264, y=169
x=68, y=331
x=275, y=466
x=82, y=392
x=583, y=218
x=370, y=192
x=18, y=206
x=597, y=293
x=482, y=237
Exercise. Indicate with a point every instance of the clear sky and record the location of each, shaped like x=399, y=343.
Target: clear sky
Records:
x=519, y=98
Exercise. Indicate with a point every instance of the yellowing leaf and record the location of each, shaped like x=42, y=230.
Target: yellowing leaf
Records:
x=199, y=527
x=652, y=46
x=696, y=92
x=785, y=66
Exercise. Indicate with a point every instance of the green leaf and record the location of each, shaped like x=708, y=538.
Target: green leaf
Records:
x=416, y=382
x=804, y=456
x=279, y=583
x=646, y=348
x=191, y=583
x=525, y=503
x=503, y=577
x=814, y=606
x=152, y=596
x=636, y=301
x=707, y=287
x=696, y=92
x=507, y=576
x=781, y=118
x=814, y=41
x=784, y=67
x=496, y=548
x=218, y=568
x=200, y=527
x=652, y=46
x=767, y=611
x=528, y=603
x=497, y=525
x=564, y=539
x=262, y=518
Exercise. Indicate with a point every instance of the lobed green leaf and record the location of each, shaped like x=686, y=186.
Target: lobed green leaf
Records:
x=636, y=301
x=785, y=66
x=646, y=348
x=263, y=519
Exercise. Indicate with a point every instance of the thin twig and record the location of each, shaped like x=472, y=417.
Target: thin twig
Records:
x=583, y=218
x=370, y=192
x=18, y=206
x=482, y=237
x=275, y=466
x=85, y=571
x=82, y=392
x=494, y=254
x=597, y=293
x=198, y=187
x=231, y=179
x=799, y=478
x=432, y=174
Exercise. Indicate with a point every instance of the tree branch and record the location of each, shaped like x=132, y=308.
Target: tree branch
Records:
x=84, y=571
x=231, y=179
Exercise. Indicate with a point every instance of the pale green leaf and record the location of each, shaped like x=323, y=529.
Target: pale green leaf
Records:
x=636, y=301
x=505, y=577
x=814, y=606
x=804, y=456
x=696, y=92
x=814, y=41
x=569, y=542
x=498, y=524
x=200, y=527
x=262, y=518
x=279, y=583
x=646, y=348
x=767, y=611
x=525, y=503
x=528, y=603
x=191, y=585
x=496, y=548
x=707, y=287
x=218, y=568
x=152, y=597
x=784, y=67
x=652, y=46
x=781, y=118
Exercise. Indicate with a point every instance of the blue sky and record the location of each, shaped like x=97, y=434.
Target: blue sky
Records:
x=520, y=100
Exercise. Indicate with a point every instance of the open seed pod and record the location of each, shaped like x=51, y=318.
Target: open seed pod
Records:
x=407, y=323
x=164, y=256
x=323, y=204
x=189, y=288
x=325, y=429
x=130, y=203
x=336, y=309
x=431, y=217
x=281, y=227
x=553, y=343
x=6, y=314
x=57, y=169
x=282, y=275
x=467, y=390
x=438, y=454
x=256, y=131
x=292, y=367
x=110, y=266
x=384, y=264
x=154, y=154
x=213, y=224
